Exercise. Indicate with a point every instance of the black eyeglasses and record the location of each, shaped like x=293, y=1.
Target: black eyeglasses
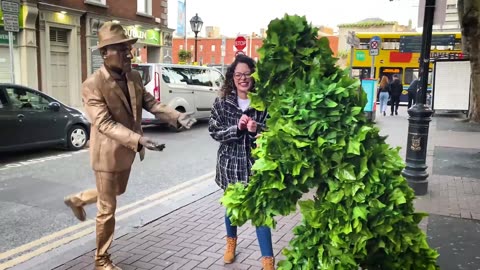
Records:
x=239, y=75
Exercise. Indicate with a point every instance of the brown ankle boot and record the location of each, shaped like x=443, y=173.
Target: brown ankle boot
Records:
x=268, y=263
x=229, y=255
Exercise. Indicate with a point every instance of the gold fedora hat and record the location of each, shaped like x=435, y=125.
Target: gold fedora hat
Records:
x=112, y=33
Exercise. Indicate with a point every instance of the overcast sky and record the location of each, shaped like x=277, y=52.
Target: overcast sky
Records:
x=248, y=16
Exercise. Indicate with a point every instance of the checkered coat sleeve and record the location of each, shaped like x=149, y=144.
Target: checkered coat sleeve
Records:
x=234, y=160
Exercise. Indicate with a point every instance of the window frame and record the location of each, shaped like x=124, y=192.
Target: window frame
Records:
x=147, y=8
x=99, y=3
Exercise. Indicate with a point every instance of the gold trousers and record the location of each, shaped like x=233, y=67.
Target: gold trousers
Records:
x=109, y=186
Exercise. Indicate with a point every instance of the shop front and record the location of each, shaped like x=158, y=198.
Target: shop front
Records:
x=24, y=49
x=5, y=61
x=60, y=53
x=146, y=50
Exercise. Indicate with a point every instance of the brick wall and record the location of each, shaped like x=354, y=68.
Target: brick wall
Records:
x=126, y=10
x=230, y=50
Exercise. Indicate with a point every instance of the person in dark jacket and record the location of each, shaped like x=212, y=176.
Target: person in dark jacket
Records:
x=396, y=89
x=412, y=92
x=235, y=125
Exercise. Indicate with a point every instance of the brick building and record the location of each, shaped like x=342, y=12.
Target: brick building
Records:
x=209, y=49
x=55, y=49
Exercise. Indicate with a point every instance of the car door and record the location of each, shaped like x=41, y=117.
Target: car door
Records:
x=203, y=91
x=178, y=92
x=11, y=133
x=38, y=123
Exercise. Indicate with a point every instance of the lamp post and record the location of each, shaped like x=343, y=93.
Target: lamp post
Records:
x=196, y=23
x=420, y=115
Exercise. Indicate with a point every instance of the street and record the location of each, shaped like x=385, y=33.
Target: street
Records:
x=40, y=232
x=33, y=184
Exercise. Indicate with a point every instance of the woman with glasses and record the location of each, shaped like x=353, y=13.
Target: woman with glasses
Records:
x=235, y=125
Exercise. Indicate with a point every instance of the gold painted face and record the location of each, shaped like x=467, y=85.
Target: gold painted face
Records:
x=118, y=57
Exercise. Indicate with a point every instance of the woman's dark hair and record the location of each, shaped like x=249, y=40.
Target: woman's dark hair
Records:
x=228, y=87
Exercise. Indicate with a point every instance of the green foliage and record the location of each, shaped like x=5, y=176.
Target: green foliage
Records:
x=319, y=139
x=184, y=55
x=366, y=24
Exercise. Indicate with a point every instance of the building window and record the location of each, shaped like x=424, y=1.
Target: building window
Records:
x=191, y=48
x=450, y=6
x=212, y=60
x=201, y=48
x=96, y=2
x=256, y=47
x=180, y=47
x=213, y=48
x=144, y=7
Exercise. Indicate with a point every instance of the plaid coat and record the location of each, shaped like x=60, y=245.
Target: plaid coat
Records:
x=234, y=160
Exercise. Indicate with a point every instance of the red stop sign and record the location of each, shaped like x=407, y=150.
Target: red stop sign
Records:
x=240, y=43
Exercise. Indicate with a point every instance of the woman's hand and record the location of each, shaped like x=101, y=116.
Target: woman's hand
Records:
x=242, y=123
x=252, y=126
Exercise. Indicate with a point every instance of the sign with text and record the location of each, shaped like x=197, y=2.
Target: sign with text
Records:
x=240, y=43
x=10, y=6
x=10, y=10
x=149, y=36
x=4, y=38
x=374, y=46
x=10, y=22
x=414, y=43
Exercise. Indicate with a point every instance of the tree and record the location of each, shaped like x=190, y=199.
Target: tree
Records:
x=184, y=56
x=469, y=17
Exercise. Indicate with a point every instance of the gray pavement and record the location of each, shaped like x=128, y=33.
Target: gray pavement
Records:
x=191, y=236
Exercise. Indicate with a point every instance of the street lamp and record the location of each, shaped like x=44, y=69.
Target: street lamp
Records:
x=196, y=23
x=420, y=114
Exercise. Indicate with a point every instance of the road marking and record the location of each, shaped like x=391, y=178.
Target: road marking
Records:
x=38, y=160
x=154, y=199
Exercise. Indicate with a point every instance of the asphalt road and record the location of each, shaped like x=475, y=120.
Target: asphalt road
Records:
x=34, y=183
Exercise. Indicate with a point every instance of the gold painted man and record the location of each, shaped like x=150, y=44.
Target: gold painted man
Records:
x=113, y=98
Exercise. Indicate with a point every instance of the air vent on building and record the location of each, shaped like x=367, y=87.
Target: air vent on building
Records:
x=58, y=35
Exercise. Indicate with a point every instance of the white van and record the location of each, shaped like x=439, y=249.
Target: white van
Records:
x=183, y=87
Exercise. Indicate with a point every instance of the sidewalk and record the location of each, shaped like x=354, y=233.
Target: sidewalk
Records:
x=192, y=237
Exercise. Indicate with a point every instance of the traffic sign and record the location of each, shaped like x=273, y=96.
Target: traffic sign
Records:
x=10, y=9
x=374, y=46
x=240, y=43
x=352, y=39
x=10, y=22
x=10, y=6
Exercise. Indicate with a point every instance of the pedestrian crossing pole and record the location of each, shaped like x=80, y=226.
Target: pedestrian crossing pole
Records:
x=421, y=114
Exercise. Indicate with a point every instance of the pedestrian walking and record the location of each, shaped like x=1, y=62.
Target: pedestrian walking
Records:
x=113, y=98
x=396, y=89
x=383, y=94
x=235, y=125
x=412, y=92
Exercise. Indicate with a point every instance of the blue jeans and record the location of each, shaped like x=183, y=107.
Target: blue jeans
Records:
x=383, y=101
x=264, y=236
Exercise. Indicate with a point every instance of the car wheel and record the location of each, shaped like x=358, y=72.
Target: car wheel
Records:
x=76, y=138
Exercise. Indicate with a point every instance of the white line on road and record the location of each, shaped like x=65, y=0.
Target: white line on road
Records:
x=38, y=160
x=150, y=201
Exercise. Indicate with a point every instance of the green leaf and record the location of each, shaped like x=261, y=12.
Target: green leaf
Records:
x=345, y=173
x=353, y=147
x=264, y=165
x=335, y=197
x=360, y=212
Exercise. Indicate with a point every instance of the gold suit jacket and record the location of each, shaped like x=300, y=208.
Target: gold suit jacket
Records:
x=116, y=127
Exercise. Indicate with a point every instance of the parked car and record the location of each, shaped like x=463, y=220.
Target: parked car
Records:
x=182, y=87
x=31, y=119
